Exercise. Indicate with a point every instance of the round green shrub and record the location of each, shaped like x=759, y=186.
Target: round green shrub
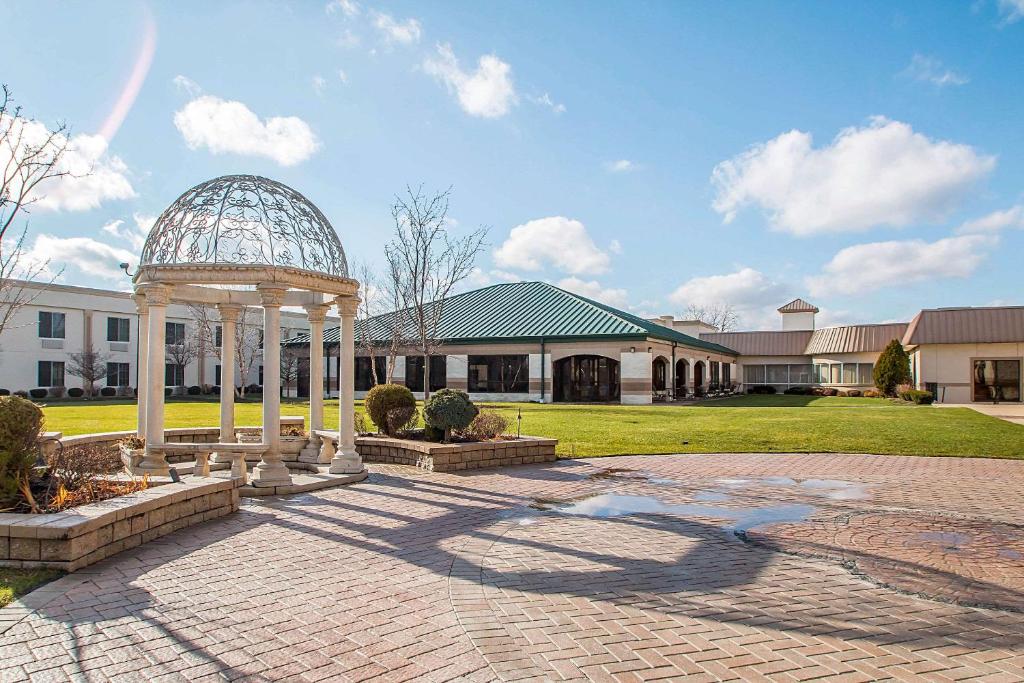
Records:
x=195, y=390
x=38, y=392
x=76, y=392
x=448, y=410
x=108, y=391
x=393, y=399
x=21, y=422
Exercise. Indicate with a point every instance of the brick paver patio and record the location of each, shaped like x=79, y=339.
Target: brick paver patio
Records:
x=720, y=567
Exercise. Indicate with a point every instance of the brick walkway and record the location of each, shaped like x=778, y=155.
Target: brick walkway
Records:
x=850, y=568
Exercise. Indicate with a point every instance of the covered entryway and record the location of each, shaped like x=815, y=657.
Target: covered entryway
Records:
x=583, y=379
x=698, y=378
x=659, y=374
x=682, y=374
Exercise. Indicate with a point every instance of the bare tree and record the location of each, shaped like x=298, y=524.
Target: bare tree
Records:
x=90, y=365
x=291, y=367
x=183, y=351
x=722, y=316
x=424, y=263
x=30, y=154
x=387, y=332
x=248, y=338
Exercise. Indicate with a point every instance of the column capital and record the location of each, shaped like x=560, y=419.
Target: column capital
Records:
x=230, y=313
x=316, y=313
x=141, y=305
x=347, y=305
x=154, y=294
x=271, y=296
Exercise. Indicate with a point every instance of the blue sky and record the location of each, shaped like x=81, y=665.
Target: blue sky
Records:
x=865, y=156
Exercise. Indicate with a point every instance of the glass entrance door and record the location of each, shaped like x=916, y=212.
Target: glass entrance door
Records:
x=996, y=380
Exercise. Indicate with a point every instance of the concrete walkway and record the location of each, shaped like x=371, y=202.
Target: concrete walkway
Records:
x=717, y=567
x=1011, y=412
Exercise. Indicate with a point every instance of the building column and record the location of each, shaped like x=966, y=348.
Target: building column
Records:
x=229, y=315
x=346, y=460
x=316, y=316
x=142, y=364
x=157, y=298
x=271, y=471
x=635, y=385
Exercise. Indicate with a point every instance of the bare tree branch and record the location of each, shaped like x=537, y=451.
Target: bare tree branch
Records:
x=722, y=316
x=425, y=262
x=88, y=364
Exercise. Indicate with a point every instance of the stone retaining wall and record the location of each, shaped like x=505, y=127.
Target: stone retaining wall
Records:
x=87, y=534
x=454, y=457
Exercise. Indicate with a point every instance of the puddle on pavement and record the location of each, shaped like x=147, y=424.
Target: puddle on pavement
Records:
x=837, y=489
x=949, y=540
x=710, y=496
x=608, y=505
x=1010, y=554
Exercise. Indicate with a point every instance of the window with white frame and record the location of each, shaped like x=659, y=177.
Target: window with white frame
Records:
x=174, y=375
x=51, y=373
x=117, y=329
x=175, y=334
x=118, y=374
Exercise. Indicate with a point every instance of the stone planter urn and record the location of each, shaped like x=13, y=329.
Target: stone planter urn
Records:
x=131, y=457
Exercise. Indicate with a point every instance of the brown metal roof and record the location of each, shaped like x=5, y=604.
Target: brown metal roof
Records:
x=798, y=306
x=790, y=343
x=854, y=338
x=966, y=326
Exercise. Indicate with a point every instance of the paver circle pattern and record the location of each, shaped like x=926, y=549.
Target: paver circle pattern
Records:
x=625, y=568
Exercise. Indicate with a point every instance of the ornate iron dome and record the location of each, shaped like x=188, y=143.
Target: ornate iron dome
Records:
x=245, y=220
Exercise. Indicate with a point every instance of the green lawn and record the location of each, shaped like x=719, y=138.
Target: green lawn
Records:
x=740, y=424
x=17, y=582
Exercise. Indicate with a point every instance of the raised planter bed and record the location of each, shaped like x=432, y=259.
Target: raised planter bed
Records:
x=454, y=457
x=87, y=534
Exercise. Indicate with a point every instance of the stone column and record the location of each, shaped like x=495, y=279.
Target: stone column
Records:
x=346, y=460
x=229, y=315
x=271, y=471
x=157, y=298
x=142, y=369
x=316, y=316
x=635, y=377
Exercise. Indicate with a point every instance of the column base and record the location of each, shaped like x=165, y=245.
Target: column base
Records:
x=346, y=463
x=270, y=474
x=153, y=463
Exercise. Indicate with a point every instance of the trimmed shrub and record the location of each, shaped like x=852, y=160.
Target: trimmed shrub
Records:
x=892, y=368
x=215, y=390
x=871, y=393
x=167, y=392
x=195, y=390
x=21, y=392
x=254, y=389
x=401, y=420
x=207, y=389
x=796, y=391
x=5, y=392
x=383, y=400
x=853, y=392
x=76, y=392
x=56, y=392
x=449, y=410
x=921, y=398
x=829, y=391
x=21, y=422
x=487, y=425
x=37, y=393
x=108, y=392
x=761, y=389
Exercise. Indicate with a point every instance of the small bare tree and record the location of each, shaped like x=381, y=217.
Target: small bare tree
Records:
x=30, y=155
x=424, y=263
x=723, y=316
x=248, y=338
x=292, y=362
x=88, y=364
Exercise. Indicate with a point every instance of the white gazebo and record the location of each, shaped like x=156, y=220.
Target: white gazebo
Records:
x=235, y=242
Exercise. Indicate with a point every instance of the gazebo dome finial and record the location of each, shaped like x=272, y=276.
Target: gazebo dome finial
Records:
x=245, y=220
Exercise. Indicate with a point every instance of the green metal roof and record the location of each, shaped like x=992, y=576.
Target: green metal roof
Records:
x=528, y=312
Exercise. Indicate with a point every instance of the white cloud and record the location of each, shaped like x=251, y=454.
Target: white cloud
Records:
x=995, y=221
x=546, y=101
x=615, y=247
x=349, y=39
x=592, y=289
x=1011, y=10
x=487, y=92
x=133, y=235
x=187, y=85
x=91, y=257
x=931, y=70
x=230, y=126
x=880, y=174
x=319, y=84
x=349, y=8
x=621, y=166
x=745, y=290
x=479, y=277
x=557, y=241
x=406, y=32
x=342, y=76
x=867, y=267
x=92, y=175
